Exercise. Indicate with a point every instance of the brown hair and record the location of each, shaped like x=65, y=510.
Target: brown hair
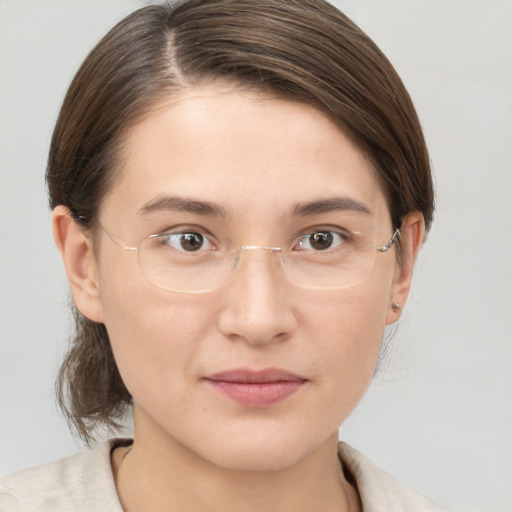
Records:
x=305, y=50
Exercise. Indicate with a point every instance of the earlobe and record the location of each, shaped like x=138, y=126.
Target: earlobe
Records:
x=411, y=239
x=79, y=262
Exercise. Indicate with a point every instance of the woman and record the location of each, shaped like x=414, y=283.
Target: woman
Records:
x=239, y=190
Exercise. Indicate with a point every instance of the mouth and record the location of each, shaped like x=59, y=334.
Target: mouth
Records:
x=256, y=389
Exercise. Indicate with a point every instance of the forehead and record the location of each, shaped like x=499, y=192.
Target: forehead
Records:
x=246, y=152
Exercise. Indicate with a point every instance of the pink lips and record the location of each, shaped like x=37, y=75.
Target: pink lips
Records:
x=256, y=388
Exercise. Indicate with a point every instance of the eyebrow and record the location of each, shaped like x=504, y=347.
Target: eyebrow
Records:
x=330, y=205
x=181, y=204
x=206, y=208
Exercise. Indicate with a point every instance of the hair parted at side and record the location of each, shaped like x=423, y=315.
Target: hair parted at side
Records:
x=304, y=50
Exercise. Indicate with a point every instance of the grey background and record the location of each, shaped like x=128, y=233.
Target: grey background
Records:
x=439, y=415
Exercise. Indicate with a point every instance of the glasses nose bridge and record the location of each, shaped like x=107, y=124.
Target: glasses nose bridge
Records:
x=273, y=250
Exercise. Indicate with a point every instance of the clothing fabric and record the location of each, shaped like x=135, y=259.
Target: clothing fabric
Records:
x=84, y=483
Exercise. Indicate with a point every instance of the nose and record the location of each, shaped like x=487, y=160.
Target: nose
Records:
x=258, y=301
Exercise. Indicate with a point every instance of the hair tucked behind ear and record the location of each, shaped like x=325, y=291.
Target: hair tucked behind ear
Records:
x=89, y=388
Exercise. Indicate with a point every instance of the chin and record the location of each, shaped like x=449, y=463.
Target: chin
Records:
x=270, y=452
x=256, y=458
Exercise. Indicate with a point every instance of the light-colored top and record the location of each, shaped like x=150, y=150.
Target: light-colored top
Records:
x=84, y=483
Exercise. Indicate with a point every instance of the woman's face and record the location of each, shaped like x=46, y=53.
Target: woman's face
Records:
x=240, y=168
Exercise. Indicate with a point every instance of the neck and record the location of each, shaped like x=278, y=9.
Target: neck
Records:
x=159, y=474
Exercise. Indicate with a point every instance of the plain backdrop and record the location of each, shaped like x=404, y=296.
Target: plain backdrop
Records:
x=439, y=415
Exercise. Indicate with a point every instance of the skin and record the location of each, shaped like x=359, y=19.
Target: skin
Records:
x=257, y=158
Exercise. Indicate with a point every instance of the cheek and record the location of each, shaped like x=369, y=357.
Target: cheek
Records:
x=348, y=344
x=153, y=333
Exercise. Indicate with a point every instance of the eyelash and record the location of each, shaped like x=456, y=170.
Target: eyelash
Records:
x=338, y=237
x=337, y=232
x=189, y=228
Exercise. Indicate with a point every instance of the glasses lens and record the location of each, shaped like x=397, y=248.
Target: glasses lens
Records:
x=315, y=261
x=182, y=266
x=347, y=262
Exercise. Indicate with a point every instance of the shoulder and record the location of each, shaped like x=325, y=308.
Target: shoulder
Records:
x=80, y=483
x=379, y=491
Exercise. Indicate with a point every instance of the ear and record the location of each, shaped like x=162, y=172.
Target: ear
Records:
x=77, y=254
x=411, y=238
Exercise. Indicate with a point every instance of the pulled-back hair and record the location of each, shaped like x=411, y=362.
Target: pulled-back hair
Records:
x=304, y=50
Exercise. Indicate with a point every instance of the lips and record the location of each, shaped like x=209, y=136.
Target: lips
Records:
x=256, y=389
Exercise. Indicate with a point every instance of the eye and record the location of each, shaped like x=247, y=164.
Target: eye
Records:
x=322, y=240
x=188, y=241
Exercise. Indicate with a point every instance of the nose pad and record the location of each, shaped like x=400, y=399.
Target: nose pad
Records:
x=273, y=250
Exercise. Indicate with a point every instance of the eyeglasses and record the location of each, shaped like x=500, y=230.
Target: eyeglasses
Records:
x=193, y=262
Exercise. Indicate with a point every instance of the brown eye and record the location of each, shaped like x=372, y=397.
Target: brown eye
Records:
x=191, y=241
x=187, y=242
x=321, y=240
